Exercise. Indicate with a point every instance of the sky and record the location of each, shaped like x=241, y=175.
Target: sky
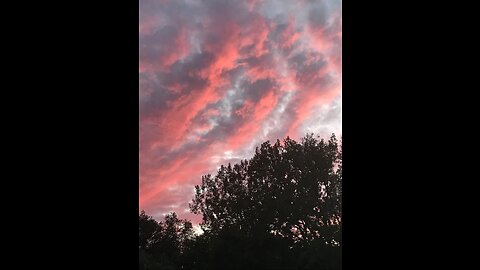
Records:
x=219, y=77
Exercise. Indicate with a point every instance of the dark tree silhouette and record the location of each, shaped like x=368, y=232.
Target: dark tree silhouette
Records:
x=282, y=209
x=162, y=243
x=288, y=192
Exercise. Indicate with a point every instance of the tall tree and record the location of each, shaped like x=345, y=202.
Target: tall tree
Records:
x=281, y=209
x=290, y=189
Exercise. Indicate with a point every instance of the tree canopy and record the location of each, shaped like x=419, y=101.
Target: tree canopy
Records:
x=162, y=243
x=281, y=209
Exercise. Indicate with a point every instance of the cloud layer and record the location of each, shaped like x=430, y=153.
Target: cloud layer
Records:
x=218, y=77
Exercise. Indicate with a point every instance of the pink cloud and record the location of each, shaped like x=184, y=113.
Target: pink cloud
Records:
x=253, y=122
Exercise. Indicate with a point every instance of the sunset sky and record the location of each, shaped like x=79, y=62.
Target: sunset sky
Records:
x=219, y=77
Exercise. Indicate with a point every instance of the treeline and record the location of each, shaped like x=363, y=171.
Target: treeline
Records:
x=282, y=209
